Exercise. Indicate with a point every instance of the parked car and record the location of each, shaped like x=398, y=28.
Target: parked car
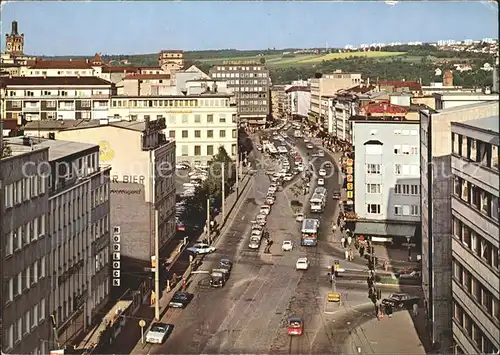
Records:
x=295, y=326
x=299, y=217
x=225, y=264
x=270, y=200
x=288, y=177
x=336, y=195
x=287, y=245
x=182, y=166
x=321, y=182
x=180, y=299
x=401, y=300
x=322, y=172
x=265, y=209
x=309, y=146
x=302, y=264
x=158, y=333
x=201, y=248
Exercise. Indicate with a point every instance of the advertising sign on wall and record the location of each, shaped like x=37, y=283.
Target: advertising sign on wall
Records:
x=350, y=181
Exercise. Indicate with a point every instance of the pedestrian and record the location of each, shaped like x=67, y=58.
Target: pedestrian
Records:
x=351, y=255
x=386, y=265
x=342, y=241
x=415, y=310
x=346, y=253
x=388, y=310
x=349, y=240
x=356, y=244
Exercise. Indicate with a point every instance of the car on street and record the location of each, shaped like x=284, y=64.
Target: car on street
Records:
x=302, y=264
x=320, y=153
x=261, y=219
x=256, y=231
x=411, y=275
x=336, y=195
x=322, y=172
x=288, y=177
x=201, y=248
x=272, y=188
x=259, y=148
x=270, y=200
x=295, y=326
x=225, y=264
x=265, y=209
x=182, y=166
x=309, y=146
x=328, y=164
x=401, y=300
x=306, y=140
x=269, y=172
x=180, y=299
x=299, y=217
x=321, y=182
x=287, y=245
x=158, y=333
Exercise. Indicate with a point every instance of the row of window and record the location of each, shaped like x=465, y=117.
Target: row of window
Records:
x=406, y=149
x=31, y=93
x=24, y=190
x=475, y=243
x=240, y=68
x=252, y=102
x=25, y=279
x=407, y=210
x=407, y=189
x=473, y=331
x=24, y=235
x=475, y=150
x=209, y=133
x=101, y=259
x=182, y=103
x=256, y=109
x=405, y=132
x=25, y=325
x=210, y=150
x=477, y=198
x=399, y=169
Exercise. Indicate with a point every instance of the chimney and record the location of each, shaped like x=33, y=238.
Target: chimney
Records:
x=487, y=90
x=87, y=61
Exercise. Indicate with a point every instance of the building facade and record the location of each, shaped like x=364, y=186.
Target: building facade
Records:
x=198, y=123
x=14, y=42
x=297, y=101
x=24, y=209
x=386, y=179
x=436, y=229
x=171, y=61
x=456, y=99
x=278, y=101
x=75, y=231
x=55, y=98
x=475, y=236
x=250, y=83
x=142, y=180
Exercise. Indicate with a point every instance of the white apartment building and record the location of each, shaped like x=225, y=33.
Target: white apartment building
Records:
x=54, y=98
x=475, y=236
x=455, y=99
x=75, y=234
x=386, y=179
x=328, y=85
x=298, y=100
x=199, y=124
x=436, y=207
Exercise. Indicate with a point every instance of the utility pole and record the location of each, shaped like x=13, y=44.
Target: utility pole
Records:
x=208, y=221
x=157, y=268
x=223, y=183
x=237, y=173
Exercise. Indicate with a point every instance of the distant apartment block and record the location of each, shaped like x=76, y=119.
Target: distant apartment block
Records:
x=278, y=101
x=297, y=100
x=199, y=123
x=250, y=83
x=456, y=99
x=55, y=98
x=64, y=219
x=475, y=236
x=436, y=207
x=386, y=179
x=171, y=61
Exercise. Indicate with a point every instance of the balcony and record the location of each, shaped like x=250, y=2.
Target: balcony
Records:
x=100, y=96
x=473, y=216
x=479, y=175
x=463, y=340
x=66, y=108
x=31, y=108
x=100, y=108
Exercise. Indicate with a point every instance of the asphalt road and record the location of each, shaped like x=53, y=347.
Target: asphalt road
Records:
x=250, y=313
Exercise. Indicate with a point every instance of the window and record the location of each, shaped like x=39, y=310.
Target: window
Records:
x=222, y=118
x=397, y=169
x=197, y=133
x=222, y=133
x=197, y=118
x=10, y=296
x=494, y=156
x=27, y=322
x=210, y=133
x=415, y=210
x=373, y=188
x=398, y=210
x=171, y=134
x=185, y=118
x=406, y=210
x=372, y=208
x=455, y=143
x=184, y=150
x=415, y=189
x=184, y=134
x=210, y=150
x=197, y=150
x=398, y=189
x=210, y=118
x=235, y=133
x=405, y=149
x=373, y=169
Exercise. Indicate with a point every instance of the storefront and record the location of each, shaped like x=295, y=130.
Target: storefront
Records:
x=396, y=234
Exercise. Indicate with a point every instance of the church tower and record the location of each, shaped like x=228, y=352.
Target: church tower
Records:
x=14, y=41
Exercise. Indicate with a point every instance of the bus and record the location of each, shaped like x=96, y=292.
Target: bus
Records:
x=320, y=191
x=282, y=149
x=317, y=203
x=309, y=232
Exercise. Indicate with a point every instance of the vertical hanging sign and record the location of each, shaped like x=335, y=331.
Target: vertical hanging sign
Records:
x=116, y=256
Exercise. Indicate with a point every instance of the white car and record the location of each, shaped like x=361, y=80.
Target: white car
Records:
x=288, y=177
x=257, y=232
x=272, y=188
x=270, y=200
x=321, y=182
x=287, y=245
x=309, y=146
x=299, y=217
x=306, y=140
x=302, y=264
x=322, y=172
x=265, y=209
x=158, y=332
x=201, y=248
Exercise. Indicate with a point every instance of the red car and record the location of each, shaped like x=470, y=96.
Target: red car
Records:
x=295, y=326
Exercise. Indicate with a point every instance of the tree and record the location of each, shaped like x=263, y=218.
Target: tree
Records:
x=5, y=152
x=262, y=60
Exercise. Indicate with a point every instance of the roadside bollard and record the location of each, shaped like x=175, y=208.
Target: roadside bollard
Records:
x=168, y=288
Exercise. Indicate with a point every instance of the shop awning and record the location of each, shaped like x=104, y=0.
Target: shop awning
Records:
x=385, y=229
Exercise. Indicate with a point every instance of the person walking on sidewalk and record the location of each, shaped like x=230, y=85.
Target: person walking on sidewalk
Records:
x=349, y=240
x=346, y=253
x=342, y=241
x=415, y=310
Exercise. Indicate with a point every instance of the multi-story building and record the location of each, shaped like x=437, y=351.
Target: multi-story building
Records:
x=386, y=179
x=455, y=99
x=436, y=230
x=250, y=82
x=143, y=84
x=14, y=42
x=475, y=236
x=171, y=61
x=142, y=180
x=67, y=227
x=199, y=123
x=25, y=246
x=55, y=98
x=328, y=85
x=278, y=101
x=297, y=101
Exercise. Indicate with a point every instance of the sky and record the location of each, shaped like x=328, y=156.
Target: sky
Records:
x=135, y=27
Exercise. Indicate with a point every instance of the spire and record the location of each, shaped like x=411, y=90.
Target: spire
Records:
x=14, y=28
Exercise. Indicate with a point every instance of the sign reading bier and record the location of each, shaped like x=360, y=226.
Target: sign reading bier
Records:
x=240, y=62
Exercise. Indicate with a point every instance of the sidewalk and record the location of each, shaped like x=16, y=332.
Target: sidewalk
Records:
x=396, y=335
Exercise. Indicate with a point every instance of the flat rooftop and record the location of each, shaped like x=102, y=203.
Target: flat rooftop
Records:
x=57, y=148
x=486, y=123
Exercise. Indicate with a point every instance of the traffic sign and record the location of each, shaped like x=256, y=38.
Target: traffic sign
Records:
x=142, y=323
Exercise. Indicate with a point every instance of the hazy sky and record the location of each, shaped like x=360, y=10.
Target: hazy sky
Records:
x=84, y=28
